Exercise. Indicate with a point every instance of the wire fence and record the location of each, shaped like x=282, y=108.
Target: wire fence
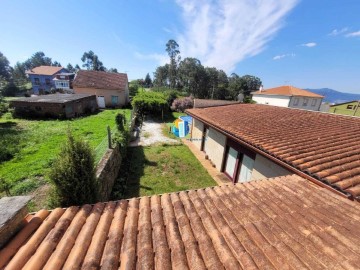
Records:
x=103, y=145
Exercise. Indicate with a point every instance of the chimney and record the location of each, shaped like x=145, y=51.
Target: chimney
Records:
x=12, y=213
x=261, y=88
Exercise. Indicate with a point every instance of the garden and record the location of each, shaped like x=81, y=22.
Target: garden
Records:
x=29, y=147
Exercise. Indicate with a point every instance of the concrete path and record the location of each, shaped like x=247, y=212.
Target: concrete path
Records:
x=151, y=133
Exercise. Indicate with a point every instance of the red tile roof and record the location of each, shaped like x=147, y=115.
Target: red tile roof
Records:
x=281, y=223
x=203, y=103
x=100, y=80
x=287, y=90
x=324, y=146
x=44, y=70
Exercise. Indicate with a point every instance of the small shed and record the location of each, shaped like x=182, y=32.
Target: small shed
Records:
x=55, y=106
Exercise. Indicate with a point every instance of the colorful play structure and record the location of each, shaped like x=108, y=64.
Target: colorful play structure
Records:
x=181, y=126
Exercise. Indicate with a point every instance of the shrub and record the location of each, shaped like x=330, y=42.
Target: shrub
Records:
x=73, y=173
x=181, y=104
x=120, y=120
x=150, y=102
x=10, y=90
x=133, y=90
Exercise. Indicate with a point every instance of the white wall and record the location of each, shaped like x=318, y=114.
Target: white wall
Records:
x=215, y=147
x=275, y=100
x=265, y=168
x=309, y=106
x=197, y=132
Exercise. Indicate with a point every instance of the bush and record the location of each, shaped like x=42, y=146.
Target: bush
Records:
x=150, y=102
x=120, y=120
x=181, y=104
x=10, y=90
x=73, y=173
x=133, y=89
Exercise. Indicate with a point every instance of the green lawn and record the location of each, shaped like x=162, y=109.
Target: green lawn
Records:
x=33, y=145
x=160, y=169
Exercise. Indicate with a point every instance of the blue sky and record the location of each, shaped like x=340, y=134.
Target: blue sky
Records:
x=305, y=43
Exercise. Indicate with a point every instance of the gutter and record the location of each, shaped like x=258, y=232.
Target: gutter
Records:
x=276, y=160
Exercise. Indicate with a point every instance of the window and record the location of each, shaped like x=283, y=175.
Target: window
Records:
x=305, y=103
x=349, y=107
x=238, y=162
x=47, y=81
x=36, y=81
x=296, y=101
x=313, y=103
x=114, y=100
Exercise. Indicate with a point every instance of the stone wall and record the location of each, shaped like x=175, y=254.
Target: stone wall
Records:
x=107, y=171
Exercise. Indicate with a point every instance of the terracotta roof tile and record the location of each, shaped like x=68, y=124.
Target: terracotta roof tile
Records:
x=325, y=146
x=287, y=90
x=204, y=103
x=44, y=70
x=100, y=80
x=279, y=223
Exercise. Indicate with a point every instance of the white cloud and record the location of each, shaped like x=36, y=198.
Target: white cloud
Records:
x=278, y=57
x=309, y=45
x=354, y=34
x=222, y=33
x=161, y=58
x=336, y=32
x=167, y=30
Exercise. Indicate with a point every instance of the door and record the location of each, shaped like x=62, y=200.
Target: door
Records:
x=231, y=163
x=101, y=101
x=246, y=168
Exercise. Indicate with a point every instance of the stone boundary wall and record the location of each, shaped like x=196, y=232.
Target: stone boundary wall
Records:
x=108, y=168
x=107, y=171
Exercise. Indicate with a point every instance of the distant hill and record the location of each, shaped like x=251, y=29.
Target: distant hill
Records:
x=334, y=96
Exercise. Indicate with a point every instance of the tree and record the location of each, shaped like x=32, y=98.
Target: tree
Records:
x=172, y=48
x=148, y=81
x=161, y=76
x=19, y=75
x=192, y=77
x=73, y=173
x=249, y=84
x=37, y=59
x=77, y=67
x=56, y=64
x=91, y=61
x=113, y=70
x=235, y=85
x=5, y=68
x=70, y=68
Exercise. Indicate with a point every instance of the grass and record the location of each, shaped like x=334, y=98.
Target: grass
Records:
x=32, y=145
x=160, y=169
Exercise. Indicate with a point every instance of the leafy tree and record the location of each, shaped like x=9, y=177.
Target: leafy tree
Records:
x=161, y=76
x=56, y=64
x=91, y=61
x=38, y=59
x=70, y=68
x=19, y=75
x=192, y=77
x=77, y=67
x=73, y=173
x=5, y=68
x=113, y=70
x=172, y=48
x=148, y=81
x=250, y=83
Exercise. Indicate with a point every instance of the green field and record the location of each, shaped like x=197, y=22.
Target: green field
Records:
x=30, y=146
x=160, y=169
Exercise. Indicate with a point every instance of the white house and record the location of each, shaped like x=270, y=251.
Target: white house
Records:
x=288, y=96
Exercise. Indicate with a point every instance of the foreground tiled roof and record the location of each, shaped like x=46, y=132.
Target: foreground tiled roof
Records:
x=44, y=70
x=325, y=146
x=100, y=80
x=281, y=223
x=287, y=90
x=203, y=103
